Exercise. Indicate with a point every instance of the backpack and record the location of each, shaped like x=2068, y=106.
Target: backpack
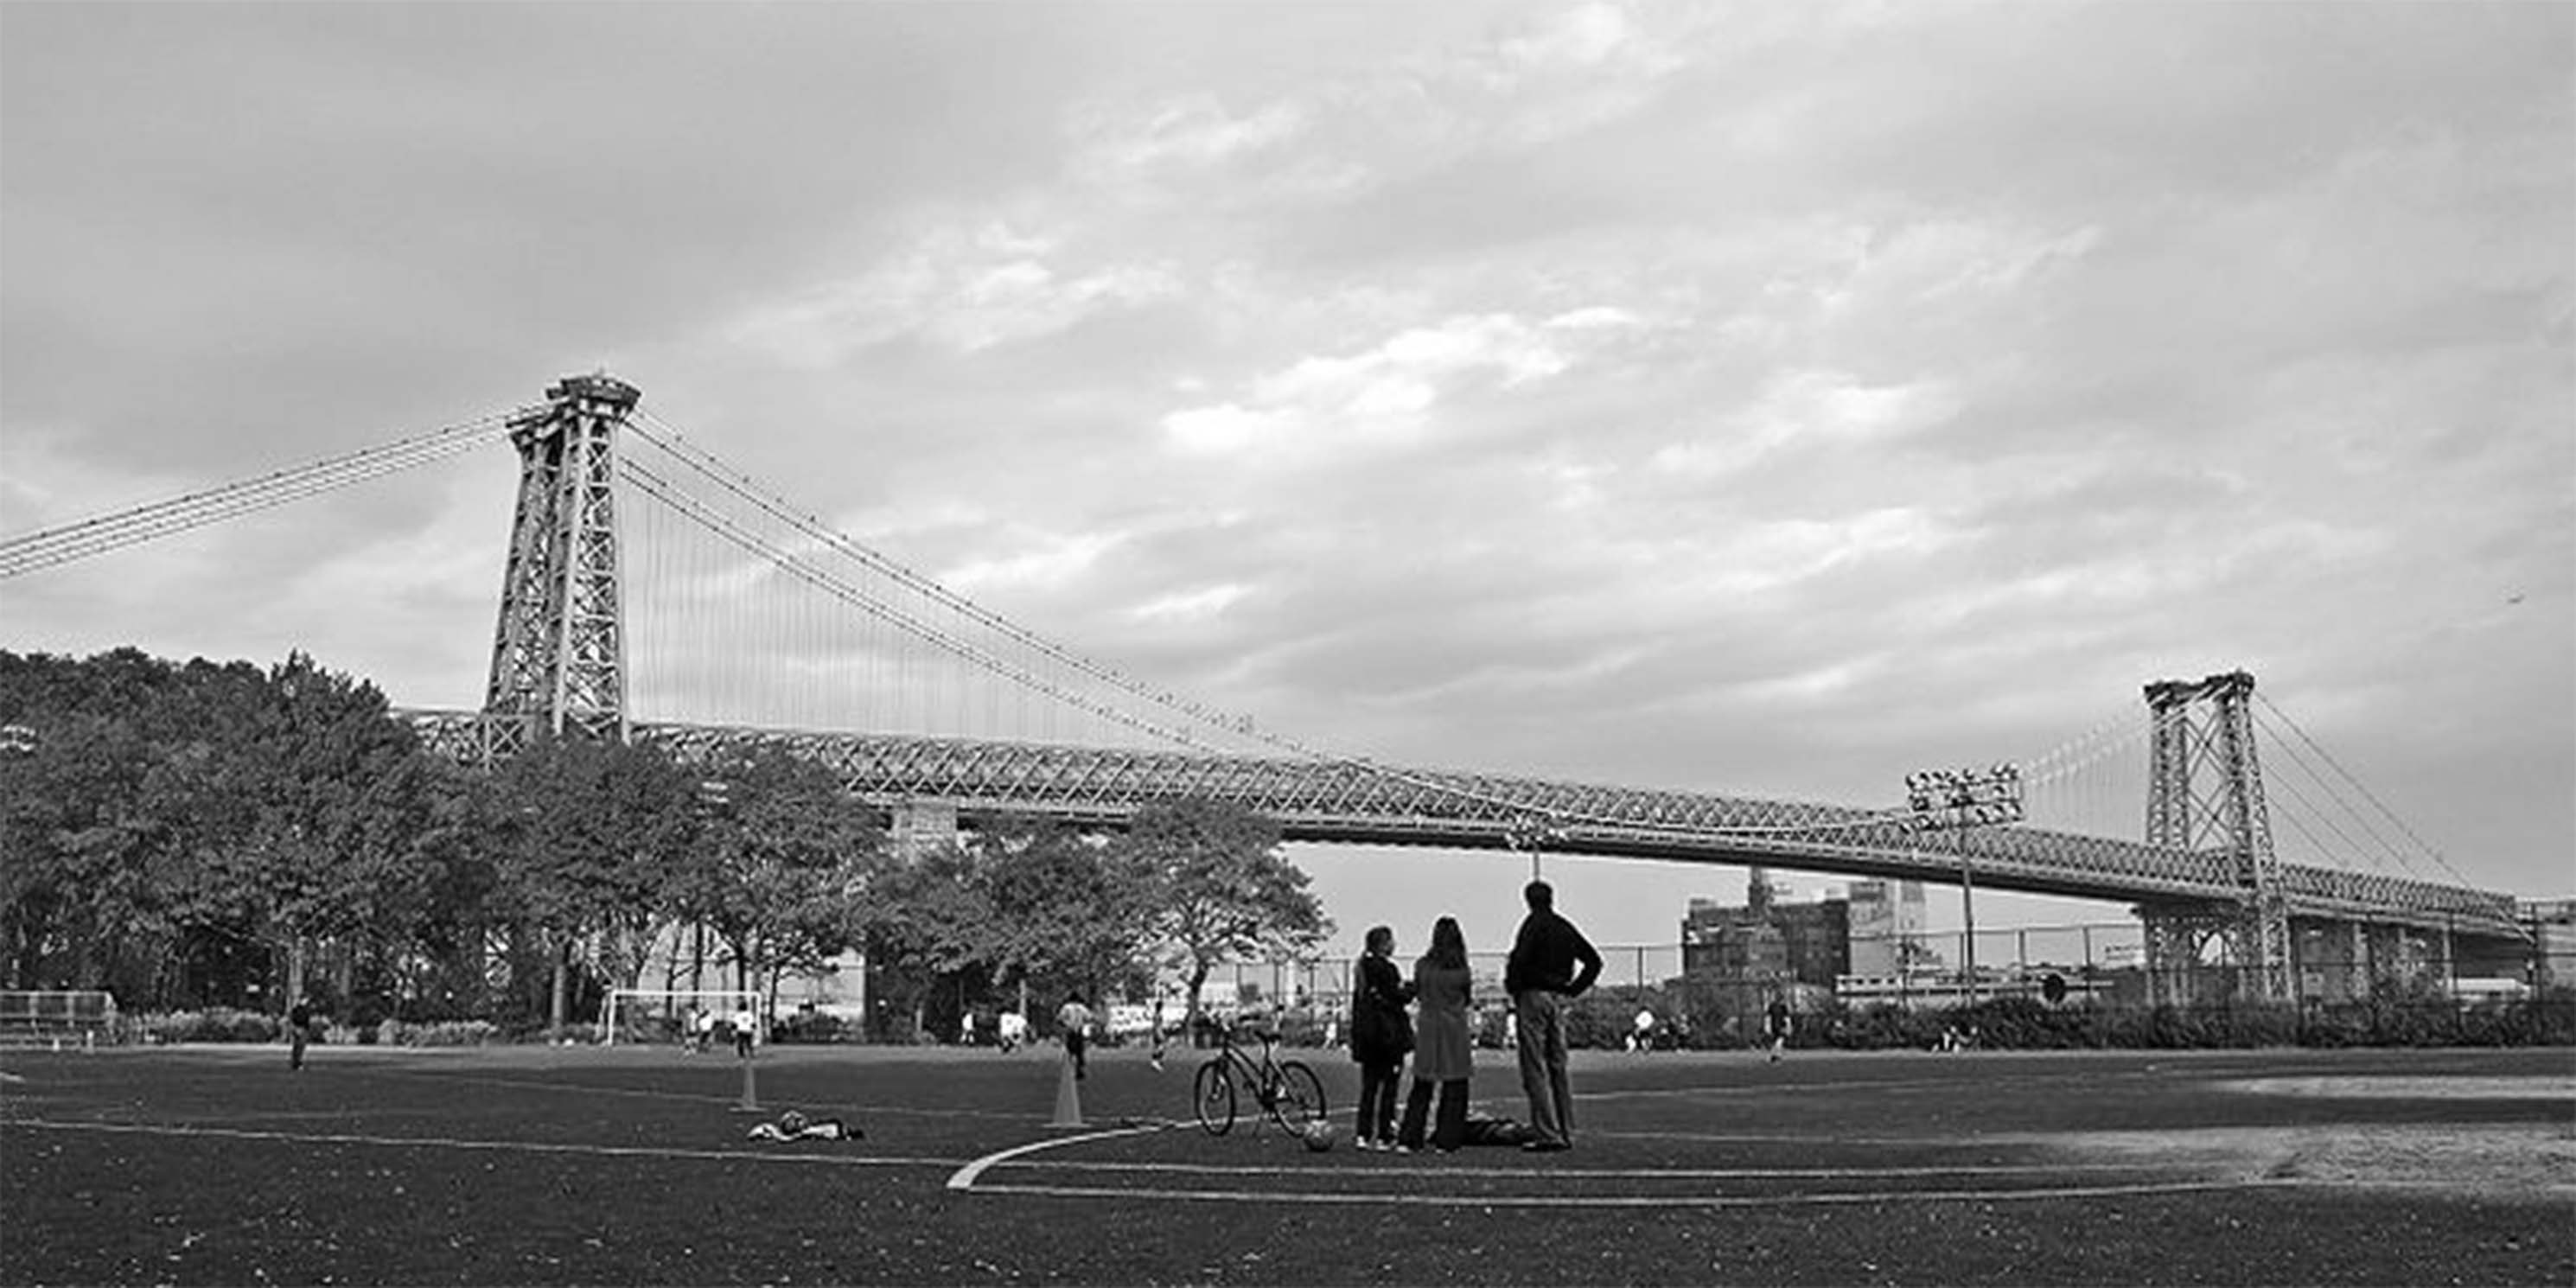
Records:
x=1485, y=1130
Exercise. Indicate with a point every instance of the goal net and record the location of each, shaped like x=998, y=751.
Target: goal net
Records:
x=663, y=1014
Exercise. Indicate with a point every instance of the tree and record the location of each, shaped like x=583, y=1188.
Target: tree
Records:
x=786, y=860
x=1219, y=888
x=931, y=918
x=595, y=837
x=1068, y=912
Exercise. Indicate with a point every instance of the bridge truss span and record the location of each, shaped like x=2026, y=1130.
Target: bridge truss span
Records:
x=1351, y=802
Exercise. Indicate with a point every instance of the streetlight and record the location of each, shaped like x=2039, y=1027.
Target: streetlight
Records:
x=1955, y=800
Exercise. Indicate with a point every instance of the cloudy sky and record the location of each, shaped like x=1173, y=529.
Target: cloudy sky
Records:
x=1768, y=399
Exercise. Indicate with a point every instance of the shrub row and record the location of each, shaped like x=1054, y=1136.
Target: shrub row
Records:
x=223, y=1024
x=2010, y=1023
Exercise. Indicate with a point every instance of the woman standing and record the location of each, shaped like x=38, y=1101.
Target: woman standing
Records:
x=1380, y=1035
x=1441, y=979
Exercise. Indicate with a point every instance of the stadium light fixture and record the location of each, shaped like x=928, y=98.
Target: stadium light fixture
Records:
x=1955, y=800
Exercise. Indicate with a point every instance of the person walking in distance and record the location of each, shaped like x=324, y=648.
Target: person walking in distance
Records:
x=299, y=1030
x=743, y=1026
x=1073, y=1019
x=1775, y=1026
x=1442, y=1057
x=1380, y=1037
x=1551, y=965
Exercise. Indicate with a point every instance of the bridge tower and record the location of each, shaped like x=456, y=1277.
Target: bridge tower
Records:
x=2205, y=794
x=559, y=653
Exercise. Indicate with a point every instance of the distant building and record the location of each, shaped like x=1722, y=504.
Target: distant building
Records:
x=1886, y=927
x=2552, y=923
x=1765, y=942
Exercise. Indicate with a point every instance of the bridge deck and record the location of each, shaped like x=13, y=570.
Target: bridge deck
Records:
x=1344, y=801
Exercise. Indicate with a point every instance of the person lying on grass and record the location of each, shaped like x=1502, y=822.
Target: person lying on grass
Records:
x=795, y=1126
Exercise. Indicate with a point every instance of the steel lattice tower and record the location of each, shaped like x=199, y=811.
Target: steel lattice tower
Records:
x=559, y=654
x=2205, y=793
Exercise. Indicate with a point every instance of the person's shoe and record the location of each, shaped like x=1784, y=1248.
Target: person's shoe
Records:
x=1544, y=1147
x=1401, y=1148
x=1365, y=1145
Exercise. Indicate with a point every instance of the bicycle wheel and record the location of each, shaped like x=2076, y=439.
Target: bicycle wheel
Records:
x=1213, y=1096
x=1301, y=1097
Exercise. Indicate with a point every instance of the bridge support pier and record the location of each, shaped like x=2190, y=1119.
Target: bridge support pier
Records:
x=2179, y=944
x=919, y=827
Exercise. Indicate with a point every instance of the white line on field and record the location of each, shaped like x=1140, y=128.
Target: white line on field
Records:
x=964, y=1177
x=1270, y=1198
x=498, y=1146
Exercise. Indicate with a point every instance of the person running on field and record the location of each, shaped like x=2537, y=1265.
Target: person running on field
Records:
x=1442, y=1057
x=1380, y=1037
x=1551, y=965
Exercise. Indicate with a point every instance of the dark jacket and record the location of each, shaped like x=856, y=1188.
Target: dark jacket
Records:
x=1380, y=1033
x=1546, y=956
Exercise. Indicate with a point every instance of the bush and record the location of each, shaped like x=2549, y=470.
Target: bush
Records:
x=219, y=1024
x=444, y=1033
x=821, y=1026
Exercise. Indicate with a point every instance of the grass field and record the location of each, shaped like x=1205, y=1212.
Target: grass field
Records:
x=217, y=1165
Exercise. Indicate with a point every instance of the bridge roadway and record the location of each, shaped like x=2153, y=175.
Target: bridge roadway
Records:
x=1341, y=801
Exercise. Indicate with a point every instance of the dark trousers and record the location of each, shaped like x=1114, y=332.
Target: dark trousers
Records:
x=1451, y=1130
x=1377, y=1100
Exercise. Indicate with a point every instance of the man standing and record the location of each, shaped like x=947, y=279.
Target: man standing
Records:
x=299, y=1030
x=1551, y=965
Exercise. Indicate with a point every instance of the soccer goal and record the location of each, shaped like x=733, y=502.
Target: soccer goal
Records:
x=662, y=1014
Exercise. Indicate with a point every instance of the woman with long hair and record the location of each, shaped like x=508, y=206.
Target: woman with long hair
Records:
x=1443, y=1058
x=1380, y=1035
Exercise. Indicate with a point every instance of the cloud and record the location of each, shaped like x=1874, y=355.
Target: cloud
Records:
x=1805, y=408
x=964, y=290
x=1386, y=397
x=1190, y=606
x=1127, y=144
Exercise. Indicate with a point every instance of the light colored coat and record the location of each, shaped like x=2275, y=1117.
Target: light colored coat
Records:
x=1442, y=1050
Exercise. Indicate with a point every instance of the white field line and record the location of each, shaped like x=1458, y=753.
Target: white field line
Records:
x=495, y=1146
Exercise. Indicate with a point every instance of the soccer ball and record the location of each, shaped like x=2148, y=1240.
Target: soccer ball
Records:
x=1319, y=1136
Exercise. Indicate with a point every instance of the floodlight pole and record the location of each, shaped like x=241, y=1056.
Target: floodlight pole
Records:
x=1532, y=835
x=1956, y=800
x=1967, y=910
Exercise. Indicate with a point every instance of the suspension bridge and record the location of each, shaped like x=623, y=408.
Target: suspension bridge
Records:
x=651, y=591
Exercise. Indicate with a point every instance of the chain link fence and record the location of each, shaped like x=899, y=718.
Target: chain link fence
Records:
x=2040, y=986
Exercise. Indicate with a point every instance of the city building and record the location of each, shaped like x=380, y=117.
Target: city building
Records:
x=1767, y=942
x=1886, y=927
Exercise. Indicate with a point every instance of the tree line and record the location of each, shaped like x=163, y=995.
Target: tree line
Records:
x=202, y=834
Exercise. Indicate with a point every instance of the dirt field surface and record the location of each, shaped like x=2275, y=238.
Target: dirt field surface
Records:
x=565, y=1165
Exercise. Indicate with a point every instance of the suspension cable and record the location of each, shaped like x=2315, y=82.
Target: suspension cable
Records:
x=100, y=534
x=668, y=439
x=2348, y=776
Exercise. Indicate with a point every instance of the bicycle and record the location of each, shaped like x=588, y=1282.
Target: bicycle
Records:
x=1285, y=1091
